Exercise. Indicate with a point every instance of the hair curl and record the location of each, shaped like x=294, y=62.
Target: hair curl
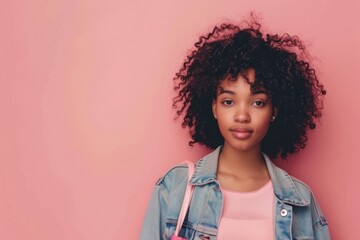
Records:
x=229, y=51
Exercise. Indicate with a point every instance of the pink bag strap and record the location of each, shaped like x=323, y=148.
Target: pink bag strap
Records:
x=187, y=198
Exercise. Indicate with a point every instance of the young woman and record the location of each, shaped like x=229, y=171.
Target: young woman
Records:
x=250, y=97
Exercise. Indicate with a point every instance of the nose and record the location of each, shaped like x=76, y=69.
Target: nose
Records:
x=242, y=115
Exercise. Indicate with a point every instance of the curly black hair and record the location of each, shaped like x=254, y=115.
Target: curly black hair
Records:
x=280, y=67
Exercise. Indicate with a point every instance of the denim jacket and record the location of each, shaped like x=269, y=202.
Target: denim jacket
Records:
x=296, y=212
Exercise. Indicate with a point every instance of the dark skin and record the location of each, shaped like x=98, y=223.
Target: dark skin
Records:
x=241, y=173
x=243, y=119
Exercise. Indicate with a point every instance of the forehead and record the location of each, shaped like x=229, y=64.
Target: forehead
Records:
x=244, y=80
x=230, y=82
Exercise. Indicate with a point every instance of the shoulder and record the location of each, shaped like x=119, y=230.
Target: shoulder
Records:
x=174, y=175
x=303, y=189
x=204, y=170
x=288, y=188
x=318, y=218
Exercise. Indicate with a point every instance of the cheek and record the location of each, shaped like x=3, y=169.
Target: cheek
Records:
x=223, y=122
x=263, y=120
x=264, y=124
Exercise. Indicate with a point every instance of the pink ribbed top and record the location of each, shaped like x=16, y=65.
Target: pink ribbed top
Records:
x=248, y=215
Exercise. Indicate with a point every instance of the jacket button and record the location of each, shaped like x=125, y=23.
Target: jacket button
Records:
x=283, y=212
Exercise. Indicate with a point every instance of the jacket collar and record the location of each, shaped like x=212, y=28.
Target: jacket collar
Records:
x=284, y=186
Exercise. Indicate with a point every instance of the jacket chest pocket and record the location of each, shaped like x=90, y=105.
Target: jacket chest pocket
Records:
x=188, y=232
x=191, y=234
x=203, y=236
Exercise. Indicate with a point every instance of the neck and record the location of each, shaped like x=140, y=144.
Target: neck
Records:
x=245, y=164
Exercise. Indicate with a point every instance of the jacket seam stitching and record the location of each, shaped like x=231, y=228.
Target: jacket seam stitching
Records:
x=161, y=179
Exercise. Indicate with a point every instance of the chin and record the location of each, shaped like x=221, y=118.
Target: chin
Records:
x=243, y=147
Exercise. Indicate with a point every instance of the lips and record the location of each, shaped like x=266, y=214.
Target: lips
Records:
x=241, y=133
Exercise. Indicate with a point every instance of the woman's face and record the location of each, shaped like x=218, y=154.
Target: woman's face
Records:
x=243, y=116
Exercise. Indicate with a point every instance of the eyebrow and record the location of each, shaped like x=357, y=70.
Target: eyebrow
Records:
x=260, y=91
x=226, y=91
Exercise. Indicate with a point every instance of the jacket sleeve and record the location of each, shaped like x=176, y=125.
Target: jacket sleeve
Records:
x=323, y=233
x=154, y=223
x=165, y=199
x=320, y=224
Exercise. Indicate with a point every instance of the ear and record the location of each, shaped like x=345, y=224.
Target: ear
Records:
x=275, y=111
x=274, y=114
x=214, y=108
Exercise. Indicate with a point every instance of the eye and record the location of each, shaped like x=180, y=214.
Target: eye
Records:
x=227, y=102
x=259, y=103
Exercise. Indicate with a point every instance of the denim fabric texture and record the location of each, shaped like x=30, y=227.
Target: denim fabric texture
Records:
x=296, y=212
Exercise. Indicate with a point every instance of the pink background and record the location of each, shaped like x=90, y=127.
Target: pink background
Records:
x=86, y=120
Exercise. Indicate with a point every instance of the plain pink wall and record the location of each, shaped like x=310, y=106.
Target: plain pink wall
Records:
x=86, y=120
